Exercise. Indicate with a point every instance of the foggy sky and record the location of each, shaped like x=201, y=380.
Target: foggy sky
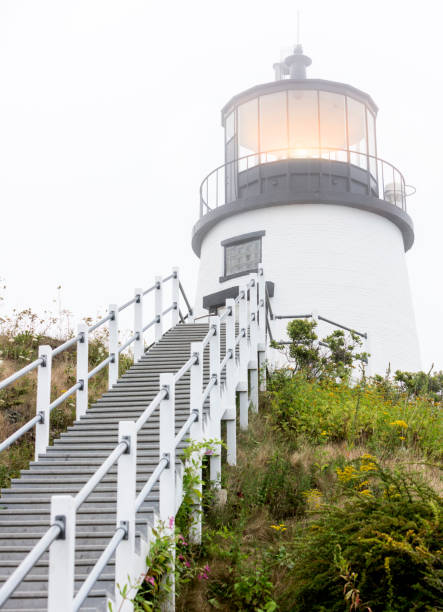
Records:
x=110, y=119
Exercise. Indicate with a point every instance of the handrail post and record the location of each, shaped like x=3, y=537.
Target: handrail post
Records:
x=126, y=494
x=113, y=345
x=253, y=342
x=243, y=361
x=167, y=485
x=43, y=400
x=367, y=348
x=81, y=403
x=314, y=316
x=139, y=345
x=196, y=435
x=230, y=404
x=158, y=308
x=175, y=296
x=261, y=328
x=214, y=401
x=62, y=555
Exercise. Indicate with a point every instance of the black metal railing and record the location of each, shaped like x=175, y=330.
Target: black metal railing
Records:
x=319, y=169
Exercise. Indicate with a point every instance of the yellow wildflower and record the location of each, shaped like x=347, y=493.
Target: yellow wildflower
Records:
x=366, y=492
x=346, y=474
x=399, y=423
x=324, y=433
x=368, y=456
x=402, y=438
x=367, y=467
x=280, y=527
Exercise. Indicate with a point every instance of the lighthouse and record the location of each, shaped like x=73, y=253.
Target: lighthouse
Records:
x=304, y=192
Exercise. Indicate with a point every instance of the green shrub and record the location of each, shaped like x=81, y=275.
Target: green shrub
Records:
x=320, y=411
x=381, y=545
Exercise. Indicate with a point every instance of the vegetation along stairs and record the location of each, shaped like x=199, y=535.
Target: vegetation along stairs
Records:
x=71, y=461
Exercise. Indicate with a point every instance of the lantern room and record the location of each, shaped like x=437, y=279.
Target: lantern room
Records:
x=302, y=140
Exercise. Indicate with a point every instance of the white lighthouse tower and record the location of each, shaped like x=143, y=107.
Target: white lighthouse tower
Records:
x=303, y=192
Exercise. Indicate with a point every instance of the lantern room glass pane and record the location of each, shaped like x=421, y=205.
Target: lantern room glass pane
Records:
x=248, y=133
x=332, y=125
x=372, y=145
x=274, y=126
x=371, y=134
x=357, y=133
x=303, y=123
x=230, y=127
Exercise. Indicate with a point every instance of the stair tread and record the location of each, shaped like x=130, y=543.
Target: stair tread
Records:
x=75, y=456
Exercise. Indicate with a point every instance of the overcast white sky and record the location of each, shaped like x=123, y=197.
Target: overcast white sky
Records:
x=110, y=118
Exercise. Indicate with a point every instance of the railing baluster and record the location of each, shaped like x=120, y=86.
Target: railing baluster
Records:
x=113, y=345
x=81, y=403
x=167, y=490
x=215, y=400
x=253, y=343
x=261, y=327
x=62, y=555
x=230, y=384
x=243, y=354
x=139, y=344
x=196, y=435
x=175, y=296
x=126, y=494
x=158, y=308
x=43, y=400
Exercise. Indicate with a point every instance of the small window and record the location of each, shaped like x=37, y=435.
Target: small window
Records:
x=242, y=254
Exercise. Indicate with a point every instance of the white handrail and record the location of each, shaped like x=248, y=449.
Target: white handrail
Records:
x=150, y=409
x=87, y=489
x=125, y=448
x=185, y=428
x=31, y=366
x=28, y=563
x=119, y=535
x=17, y=434
x=112, y=360
x=187, y=366
x=162, y=464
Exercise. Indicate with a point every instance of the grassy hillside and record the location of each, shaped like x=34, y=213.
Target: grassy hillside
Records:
x=334, y=505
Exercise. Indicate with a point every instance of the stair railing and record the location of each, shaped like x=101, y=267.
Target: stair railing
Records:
x=209, y=405
x=43, y=363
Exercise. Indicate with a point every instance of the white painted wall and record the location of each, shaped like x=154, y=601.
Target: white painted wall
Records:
x=346, y=263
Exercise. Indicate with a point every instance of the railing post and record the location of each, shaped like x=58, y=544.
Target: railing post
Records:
x=196, y=435
x=81, y=403
x=126, y=494
x=113, y=345
x=214, y=401
x=167, y=490
x=43, y=400
x=253, y=342
x=314, y=316
x=243, y=361
x=62, y=555
x=230, y=384
x=367, y=349
x=261, y=328
x=158, y=308
x=175, y=296
x=139, y=345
